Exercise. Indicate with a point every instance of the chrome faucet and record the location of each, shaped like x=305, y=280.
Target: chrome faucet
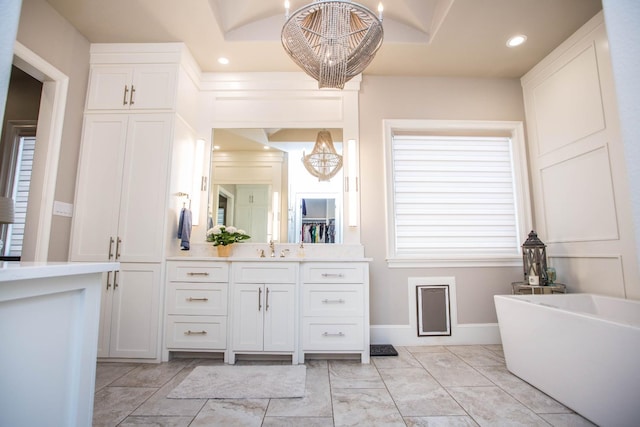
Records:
x=272, y=247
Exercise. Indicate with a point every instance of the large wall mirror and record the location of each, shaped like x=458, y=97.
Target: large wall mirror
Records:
x=259, y=183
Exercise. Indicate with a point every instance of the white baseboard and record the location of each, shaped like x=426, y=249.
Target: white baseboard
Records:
x=465, y=334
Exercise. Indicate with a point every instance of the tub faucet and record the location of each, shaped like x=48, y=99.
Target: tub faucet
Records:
x=272, y=247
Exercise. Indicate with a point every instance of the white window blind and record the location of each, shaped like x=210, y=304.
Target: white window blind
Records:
x=453, y=197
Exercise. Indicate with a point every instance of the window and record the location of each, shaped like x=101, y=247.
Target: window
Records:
x=457, y=193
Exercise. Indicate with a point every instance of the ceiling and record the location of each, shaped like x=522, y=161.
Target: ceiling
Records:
x=459, y=38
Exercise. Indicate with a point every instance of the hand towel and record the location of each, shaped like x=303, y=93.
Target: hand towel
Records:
x=184, y=228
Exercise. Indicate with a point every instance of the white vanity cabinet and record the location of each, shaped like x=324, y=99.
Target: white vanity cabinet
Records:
x=196, y=306
x=132, y=87
x=129, y=312
x=263, y=307
x=335, y=308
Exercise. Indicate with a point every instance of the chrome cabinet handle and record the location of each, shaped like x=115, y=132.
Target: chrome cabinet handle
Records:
x=133, y=91
x=259, y=299
x=339, y=275
x=111, y=247
x=124, y=98
x=196, y=273
x=197, y=299
x=333, y=301
x=327, y=334
x=115, y=280
x=118, y=242
x=108, y=277
x=266, y=304
x=196, y=333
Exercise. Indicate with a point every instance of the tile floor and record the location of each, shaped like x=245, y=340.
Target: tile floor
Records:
x=422, y=386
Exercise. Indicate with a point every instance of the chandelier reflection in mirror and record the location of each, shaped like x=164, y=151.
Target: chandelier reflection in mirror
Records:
x=323, y=162
x=332, y=40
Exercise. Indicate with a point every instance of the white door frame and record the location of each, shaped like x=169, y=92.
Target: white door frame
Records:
x=45, y=163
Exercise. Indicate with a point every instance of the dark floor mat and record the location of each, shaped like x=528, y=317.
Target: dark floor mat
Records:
x=382, y=350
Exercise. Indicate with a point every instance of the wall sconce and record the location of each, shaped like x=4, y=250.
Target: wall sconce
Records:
x=534, y=260
x=352, y=182
x=276, y=217
x=198, y=159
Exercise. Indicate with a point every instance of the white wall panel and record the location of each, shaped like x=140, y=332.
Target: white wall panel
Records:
x=591, y=274
x=240, y=108
x=568, y=104
x=578, y=199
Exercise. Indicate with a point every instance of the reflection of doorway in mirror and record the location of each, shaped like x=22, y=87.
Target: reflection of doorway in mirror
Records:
x=222, y=209
x=317, y=218
x=224, y=206
x=327, y=194
x=252, y=211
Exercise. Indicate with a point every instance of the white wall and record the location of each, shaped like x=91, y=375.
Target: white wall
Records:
x=43, y=31
x=425, y=98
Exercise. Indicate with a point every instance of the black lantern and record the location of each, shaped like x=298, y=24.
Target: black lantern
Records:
x=534, y=260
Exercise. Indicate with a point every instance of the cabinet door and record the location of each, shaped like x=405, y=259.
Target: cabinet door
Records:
x=144, y=187
x=248, y=308
x=106, y=304
x=98, y=188
x=154, y=87
x=279, y=317
x=134, y=315
x=136, y=87
x=107, y=85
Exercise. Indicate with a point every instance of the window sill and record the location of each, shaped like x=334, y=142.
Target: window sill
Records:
x=432, y=262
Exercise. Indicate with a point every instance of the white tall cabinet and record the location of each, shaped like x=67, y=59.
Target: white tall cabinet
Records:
x=122, y=192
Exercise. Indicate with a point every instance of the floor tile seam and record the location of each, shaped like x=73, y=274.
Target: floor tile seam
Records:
x=538, y=415
x=386, y=387
x=121, y=376
x=509, y=393
x=449, y=393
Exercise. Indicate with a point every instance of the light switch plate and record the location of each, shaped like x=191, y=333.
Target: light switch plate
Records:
x=62, y=209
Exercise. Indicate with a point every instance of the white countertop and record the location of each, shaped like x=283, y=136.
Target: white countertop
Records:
x=187, y=257
x=250, y=252
x=10, y=271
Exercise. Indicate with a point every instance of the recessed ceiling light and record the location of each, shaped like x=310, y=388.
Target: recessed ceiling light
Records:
x=216, y=147
x=222, y=60
x=266, y=147
x=516, y=40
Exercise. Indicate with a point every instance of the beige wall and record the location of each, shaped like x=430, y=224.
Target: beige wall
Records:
x=425, y=98
x=46, y=33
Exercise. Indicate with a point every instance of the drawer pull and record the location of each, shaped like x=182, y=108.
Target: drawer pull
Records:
x=191, y=273
x=333, y=275
x=196, y=333
x=197, y=299
x=333, y=301
x=327, y=334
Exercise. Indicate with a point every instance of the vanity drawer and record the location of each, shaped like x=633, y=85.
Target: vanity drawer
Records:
x=197, y=299
x=332, y=300
x=329, y=334
x=333, y=273
x=197, y=332
x=265, y=272
x=198, y=271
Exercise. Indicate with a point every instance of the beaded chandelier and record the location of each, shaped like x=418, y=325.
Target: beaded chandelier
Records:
x=332, y=40
x=323, y=162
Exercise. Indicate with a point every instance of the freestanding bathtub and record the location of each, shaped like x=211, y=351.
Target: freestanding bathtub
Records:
x=581, y=349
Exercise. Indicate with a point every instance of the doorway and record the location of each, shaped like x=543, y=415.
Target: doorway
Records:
x=17, y=148
x=37, y=231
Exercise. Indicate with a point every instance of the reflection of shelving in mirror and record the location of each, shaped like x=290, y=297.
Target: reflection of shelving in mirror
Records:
x=318, y=220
